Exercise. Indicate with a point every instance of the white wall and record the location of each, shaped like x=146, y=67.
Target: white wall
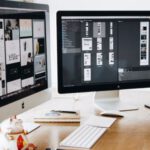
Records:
x=56, y=5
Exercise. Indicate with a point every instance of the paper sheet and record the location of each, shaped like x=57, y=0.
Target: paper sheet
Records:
x=99, y=121
x=29, y=127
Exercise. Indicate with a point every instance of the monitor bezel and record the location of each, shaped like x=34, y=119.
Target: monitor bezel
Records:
x=92, y=87
x=24, y=5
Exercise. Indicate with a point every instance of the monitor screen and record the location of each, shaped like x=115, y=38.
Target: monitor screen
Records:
x=103, y=50
x=23, y=58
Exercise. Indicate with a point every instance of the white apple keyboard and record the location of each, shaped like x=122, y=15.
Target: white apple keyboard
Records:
x=83, y=137
x=111, y=113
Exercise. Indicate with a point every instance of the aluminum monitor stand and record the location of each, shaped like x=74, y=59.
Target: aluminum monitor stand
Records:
x=110, y=100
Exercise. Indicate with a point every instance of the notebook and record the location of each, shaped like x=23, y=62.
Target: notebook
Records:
x=99, y=121
x=29, y=127
x=57, y=117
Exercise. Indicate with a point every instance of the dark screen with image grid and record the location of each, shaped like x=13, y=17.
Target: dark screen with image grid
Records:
x=100, y=51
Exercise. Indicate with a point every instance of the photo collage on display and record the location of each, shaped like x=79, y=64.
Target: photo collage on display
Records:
x=22, y=54
x=2, y=60
x=27, y=73
x=12, y=43
x=39, y=54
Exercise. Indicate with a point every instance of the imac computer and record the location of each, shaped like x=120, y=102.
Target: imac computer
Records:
x=24, y=47
x=103, y=51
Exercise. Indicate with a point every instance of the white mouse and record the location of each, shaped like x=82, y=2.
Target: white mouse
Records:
x=111, y=113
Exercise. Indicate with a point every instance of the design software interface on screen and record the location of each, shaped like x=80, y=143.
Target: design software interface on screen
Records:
x=109, y=49
x=22, y=55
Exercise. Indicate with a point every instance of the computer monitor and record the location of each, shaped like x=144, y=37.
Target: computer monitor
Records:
x=24, y=51
x=103, y=50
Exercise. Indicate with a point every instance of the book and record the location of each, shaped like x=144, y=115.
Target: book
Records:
x=56, y=116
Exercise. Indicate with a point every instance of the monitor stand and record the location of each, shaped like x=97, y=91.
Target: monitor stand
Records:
x=110, y=100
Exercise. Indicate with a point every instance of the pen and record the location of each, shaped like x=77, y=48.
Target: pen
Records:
x=64, y=111
x=147, y=106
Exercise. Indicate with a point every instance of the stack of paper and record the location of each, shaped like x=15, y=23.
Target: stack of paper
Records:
x=56, y=116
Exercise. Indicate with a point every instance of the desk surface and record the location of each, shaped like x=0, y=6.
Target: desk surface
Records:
x=129, y=133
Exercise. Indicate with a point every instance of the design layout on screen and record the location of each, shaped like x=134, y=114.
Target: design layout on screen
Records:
x=103, y=50
x=22, y=57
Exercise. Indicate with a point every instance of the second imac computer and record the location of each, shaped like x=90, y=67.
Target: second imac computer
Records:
x=103, y=51
x=24, y=47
